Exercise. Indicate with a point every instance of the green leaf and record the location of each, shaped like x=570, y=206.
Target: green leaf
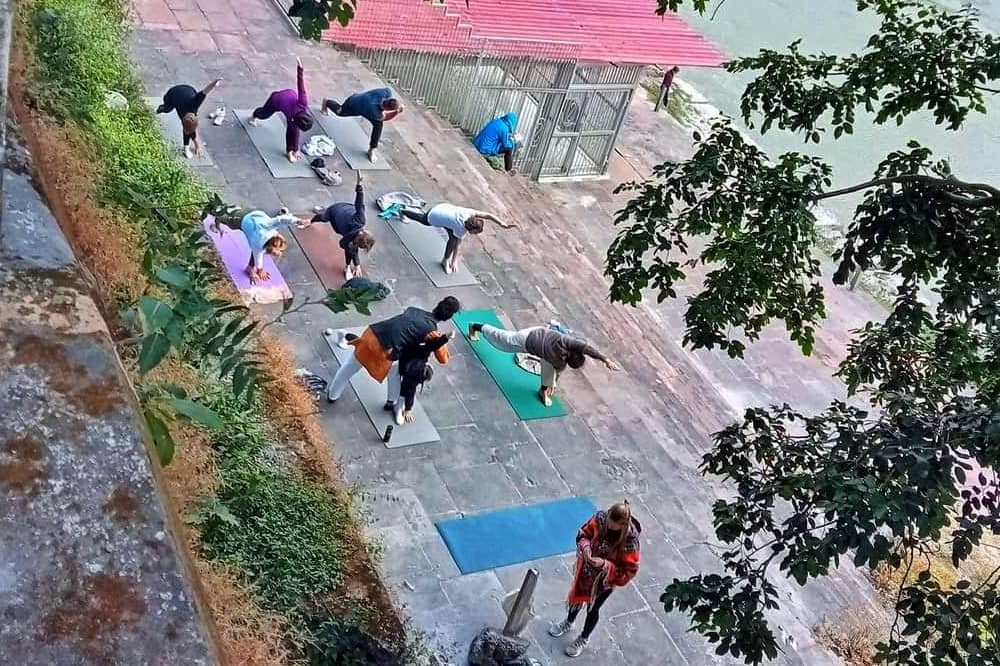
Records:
x=174, y=276
x=154, y=348
x=162, y=440
x=196, y=412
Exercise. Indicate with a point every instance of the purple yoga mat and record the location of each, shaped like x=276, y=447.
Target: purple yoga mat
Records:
x=234, y=251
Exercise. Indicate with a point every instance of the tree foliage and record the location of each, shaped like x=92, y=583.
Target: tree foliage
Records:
x=876, y=485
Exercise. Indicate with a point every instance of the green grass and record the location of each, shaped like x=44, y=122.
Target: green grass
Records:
x=678, y=104
x=285, y=534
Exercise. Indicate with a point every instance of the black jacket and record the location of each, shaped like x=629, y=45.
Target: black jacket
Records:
x=404, y=330
x=412, y=361
x=347, y=219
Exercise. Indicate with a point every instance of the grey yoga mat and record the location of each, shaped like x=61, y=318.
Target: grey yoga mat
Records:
x=351, y=136
x=269, y=139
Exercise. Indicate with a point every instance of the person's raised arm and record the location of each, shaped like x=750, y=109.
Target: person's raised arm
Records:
x=300, y=80
x=575, y=344
x=210, y=87
x=493, y=218
x=359, y=200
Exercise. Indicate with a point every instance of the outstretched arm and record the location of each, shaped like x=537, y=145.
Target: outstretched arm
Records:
x=389, y=115
x=585, y=349
x=493, y=218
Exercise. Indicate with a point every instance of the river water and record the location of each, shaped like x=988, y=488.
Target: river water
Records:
x=742, y=27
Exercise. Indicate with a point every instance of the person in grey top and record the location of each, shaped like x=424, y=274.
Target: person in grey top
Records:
x=556, y=350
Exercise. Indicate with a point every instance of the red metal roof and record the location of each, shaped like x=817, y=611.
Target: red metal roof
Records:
x=616, y=31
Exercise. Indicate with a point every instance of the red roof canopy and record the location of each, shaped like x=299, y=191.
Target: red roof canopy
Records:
x=614, y=31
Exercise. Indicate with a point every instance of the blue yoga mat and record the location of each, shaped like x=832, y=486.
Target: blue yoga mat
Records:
x=519, y=534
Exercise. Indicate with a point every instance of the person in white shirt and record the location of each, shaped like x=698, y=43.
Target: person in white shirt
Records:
x=457, y=221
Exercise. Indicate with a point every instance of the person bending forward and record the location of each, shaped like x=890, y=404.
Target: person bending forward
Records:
x=348, y=222
x=186, y=101
x=457, y=222
x=556, y=350
x=377, y=106
x=294, y=105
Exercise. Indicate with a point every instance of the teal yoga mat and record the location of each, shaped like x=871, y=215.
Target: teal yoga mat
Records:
x=519, y=534
x=519, y=386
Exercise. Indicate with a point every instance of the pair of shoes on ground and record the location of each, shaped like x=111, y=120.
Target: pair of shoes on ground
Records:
x=448, y=270
x=574, y=649
x=218, y=116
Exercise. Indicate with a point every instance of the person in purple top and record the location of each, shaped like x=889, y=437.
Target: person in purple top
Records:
x=294, y=105
x=377, y=106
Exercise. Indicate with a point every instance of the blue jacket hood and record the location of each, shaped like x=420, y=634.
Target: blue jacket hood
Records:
x=497, y=135
x=511, y=120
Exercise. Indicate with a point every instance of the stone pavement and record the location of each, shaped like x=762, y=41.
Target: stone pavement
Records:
x=639, y=433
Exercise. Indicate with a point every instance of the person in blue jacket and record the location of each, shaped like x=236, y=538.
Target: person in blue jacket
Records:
x=377, y=106
x=498, y=138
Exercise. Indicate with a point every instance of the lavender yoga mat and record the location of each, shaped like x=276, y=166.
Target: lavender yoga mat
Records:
x=234, y=251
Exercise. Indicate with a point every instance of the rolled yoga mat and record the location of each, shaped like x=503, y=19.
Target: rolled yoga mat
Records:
x=352, y=136
x=519, y=386
x=234, y=251
x=372, y=396
x=518, y=534
x=170, y=127
x=269, y=139
x=321, y=246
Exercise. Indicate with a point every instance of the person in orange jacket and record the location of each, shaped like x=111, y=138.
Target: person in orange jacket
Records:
x=607, y=557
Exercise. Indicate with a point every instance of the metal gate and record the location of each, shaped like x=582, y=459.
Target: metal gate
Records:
x=568, y=114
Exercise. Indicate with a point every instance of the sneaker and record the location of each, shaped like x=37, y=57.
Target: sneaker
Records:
x=545, y=398
x=349, y=273
x=473, y=333
x=342, y=340
x=557, y=629
x=575, y=648
x=372, y=156
x=283, y=211
x=389, y=406
x=447, y=268
x=399, y=415
x=188, y=153
x=218, y=116
x=254, y=122
x=325, y=109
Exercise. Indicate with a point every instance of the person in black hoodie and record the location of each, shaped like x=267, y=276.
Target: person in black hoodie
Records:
x=348, y=221
x=415, y=370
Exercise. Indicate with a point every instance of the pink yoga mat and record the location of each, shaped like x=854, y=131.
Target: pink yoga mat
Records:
x=322, y=248
x=234, y=251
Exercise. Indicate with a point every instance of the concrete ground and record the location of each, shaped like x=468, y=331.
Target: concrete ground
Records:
x=639, y=433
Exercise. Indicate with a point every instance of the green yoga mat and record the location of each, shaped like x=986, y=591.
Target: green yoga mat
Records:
x=520, y=387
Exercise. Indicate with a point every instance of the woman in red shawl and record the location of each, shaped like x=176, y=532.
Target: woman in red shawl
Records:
x=607, y=548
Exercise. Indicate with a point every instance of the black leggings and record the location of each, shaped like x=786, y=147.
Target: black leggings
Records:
x=421, y=217
x=508, y=158
x=338, y=109
x=593, y=614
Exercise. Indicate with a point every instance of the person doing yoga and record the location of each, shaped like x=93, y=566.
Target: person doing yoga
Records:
x=294, y=105
x=261, y=231
x=457, y=222
x=186, y=101
x=555, y=349
x=377, y=106
x=348, y=221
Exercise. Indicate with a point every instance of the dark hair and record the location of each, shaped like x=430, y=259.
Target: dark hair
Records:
x=475, y=224
x=390, y=104
x=575, y=359
x=303, y=121
x=448, y=306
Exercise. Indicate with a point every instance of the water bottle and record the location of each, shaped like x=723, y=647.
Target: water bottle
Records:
x=388, y=434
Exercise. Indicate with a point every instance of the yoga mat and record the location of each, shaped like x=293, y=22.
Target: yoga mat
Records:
x=519, y=534
x=519, y=386
x=426, y=245
x=269, y=139
x=372, y=396
x=234, y=251
x=170, y=126
x=320, y=245
x=352, y=136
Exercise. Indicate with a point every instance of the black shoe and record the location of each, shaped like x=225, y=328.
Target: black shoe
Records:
x=389, y=406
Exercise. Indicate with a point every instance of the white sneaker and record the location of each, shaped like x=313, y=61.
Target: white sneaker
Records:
x=341, y=339
x=575, y=649
x=557, y=629
x=253, y=121
x=218, y=116
x=188, y=153
x=372, y=156
x=348, y=273
x=447, y=268
x=399, y=413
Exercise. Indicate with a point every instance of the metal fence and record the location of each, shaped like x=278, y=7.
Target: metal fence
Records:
x=569, y=113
